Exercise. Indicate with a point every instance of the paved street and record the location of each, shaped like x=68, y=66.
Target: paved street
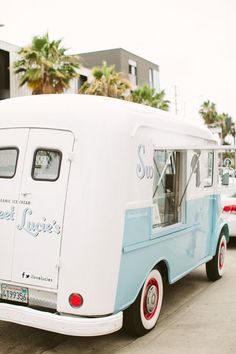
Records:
x=197, y=317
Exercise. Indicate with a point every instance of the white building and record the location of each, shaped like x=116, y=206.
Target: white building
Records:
x=9, y=85
x=137, y=70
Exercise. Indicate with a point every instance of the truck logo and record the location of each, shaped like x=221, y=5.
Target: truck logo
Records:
x=32, y=227
x=7, y=215
x=35, y=228
x=24, y=275
x=143, y=170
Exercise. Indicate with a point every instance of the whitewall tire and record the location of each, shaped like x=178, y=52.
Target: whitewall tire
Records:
x=141, y=317
x=215, y=267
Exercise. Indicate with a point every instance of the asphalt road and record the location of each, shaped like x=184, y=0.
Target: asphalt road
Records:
x=198, y=316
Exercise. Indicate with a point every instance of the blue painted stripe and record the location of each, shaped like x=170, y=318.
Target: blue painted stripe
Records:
x=182, y=246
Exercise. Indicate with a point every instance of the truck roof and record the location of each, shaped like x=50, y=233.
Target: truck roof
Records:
x=85, y=113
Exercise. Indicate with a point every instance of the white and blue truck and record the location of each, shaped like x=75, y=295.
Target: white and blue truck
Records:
x=100, y=200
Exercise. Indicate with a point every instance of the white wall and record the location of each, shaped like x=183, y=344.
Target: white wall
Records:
x=15, y=90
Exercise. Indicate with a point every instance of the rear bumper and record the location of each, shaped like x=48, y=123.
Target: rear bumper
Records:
x=64, y=324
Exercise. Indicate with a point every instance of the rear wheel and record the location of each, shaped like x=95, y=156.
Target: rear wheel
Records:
x=215, y=267
x=141, y=317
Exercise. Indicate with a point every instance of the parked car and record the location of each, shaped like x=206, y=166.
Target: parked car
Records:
x=228, y=203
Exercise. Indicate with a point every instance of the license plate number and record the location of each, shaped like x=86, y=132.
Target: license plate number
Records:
x=14, y=293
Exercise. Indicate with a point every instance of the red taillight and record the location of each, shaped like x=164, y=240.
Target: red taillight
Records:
x=229, y=209
x=76, y=300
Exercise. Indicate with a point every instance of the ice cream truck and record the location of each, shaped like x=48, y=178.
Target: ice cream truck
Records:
x=100, y=201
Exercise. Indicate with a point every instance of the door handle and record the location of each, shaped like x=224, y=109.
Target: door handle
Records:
x=25, y=193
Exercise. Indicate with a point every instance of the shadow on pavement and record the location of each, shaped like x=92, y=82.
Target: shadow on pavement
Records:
x=232, y=243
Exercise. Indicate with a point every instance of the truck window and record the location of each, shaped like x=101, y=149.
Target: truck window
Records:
x=166, y=187
x=8, y=162
x=46, y=165
x=208, y=169
x=226, y=168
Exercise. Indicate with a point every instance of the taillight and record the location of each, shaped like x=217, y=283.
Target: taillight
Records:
x=229, y=209
x=76, y=300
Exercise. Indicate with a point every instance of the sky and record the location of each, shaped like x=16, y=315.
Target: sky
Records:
x=193, y=41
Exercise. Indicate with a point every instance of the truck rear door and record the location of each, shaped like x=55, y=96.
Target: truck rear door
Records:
x=41, y=204
x=13, y=144
x=34, y=172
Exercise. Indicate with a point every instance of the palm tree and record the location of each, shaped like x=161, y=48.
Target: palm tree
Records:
x=107, y=82
x=227, y=124
x=208, y=113
x=45, y=67
x=148, y=96
x=212, y=118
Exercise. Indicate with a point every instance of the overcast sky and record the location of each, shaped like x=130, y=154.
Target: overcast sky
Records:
x=193, y=41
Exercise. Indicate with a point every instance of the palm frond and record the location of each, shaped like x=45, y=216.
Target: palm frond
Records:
x=45, y=66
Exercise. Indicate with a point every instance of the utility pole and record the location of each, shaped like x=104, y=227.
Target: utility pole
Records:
x=176, y=105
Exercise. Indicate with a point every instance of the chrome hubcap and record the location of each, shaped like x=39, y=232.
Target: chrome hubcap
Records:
x=222, y=256
x=151, y=300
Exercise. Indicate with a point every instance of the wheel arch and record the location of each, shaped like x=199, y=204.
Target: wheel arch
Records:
x=134, y=279
x=163, y=266
x=225, y=231
x=222, y=229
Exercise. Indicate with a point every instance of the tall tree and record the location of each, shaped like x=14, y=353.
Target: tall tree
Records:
x=148, y=96
x=211, y=117
x=107, y=82
x=208, y=112
x=45, y=67
x=227, y=124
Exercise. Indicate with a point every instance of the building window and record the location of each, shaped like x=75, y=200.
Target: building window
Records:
x=166, y=188
x=154, y=79
x=4, y=74
x=133, y=72
x=81, y=80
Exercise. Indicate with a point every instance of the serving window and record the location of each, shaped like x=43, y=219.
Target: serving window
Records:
x=166, y=188
x=208, y=169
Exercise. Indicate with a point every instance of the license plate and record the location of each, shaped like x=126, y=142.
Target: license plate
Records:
x=14, y=293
